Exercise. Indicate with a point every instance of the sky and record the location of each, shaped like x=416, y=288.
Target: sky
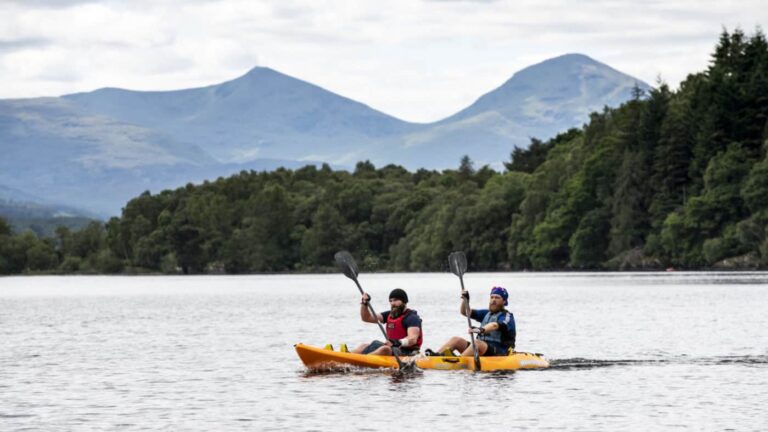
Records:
x=418, y=60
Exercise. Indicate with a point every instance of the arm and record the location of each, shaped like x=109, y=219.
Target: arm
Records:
x=484, y=329
x=413, y=336
x=365, y=313
x=491, y=327
x=413, y=331
x=464, y=304
x=504, y=323
x=410, y=339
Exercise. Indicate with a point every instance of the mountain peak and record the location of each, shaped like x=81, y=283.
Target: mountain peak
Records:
x=569, y=58
x=261, y=71
x=540, y=91
x=260, y=80
x=573, y=63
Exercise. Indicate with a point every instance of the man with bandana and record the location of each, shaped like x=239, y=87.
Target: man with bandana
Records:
x=496, y=333
x=403, y=326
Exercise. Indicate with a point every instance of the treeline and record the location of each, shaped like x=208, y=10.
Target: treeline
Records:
x=670, y=178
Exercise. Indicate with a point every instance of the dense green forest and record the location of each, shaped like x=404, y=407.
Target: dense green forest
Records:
x=670, y=178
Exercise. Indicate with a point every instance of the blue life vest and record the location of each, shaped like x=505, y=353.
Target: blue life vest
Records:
x=503, y=336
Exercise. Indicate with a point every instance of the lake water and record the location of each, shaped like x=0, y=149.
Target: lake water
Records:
x=666, y=351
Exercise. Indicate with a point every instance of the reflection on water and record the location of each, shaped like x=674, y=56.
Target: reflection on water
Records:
x=679, y=350
x=397, y=375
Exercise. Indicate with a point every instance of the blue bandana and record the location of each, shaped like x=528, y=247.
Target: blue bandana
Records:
x=500, y=291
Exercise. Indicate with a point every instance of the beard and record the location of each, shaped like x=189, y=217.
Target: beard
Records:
x=396, y=311
x=495, y=307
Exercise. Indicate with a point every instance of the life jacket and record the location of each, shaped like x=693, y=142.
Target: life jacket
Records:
x=503, y=338
x=396, y=329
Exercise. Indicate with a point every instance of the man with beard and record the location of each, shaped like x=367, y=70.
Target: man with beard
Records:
x=403, y=326
x=496, y=333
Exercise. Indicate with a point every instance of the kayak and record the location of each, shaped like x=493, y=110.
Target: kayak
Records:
x=315, y=358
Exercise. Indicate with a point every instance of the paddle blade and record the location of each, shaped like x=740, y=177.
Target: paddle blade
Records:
x=457, y=261
x=407, y=366
x=346, y=264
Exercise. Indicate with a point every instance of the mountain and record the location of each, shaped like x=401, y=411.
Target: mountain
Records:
x=538, y=101
x=14, y=195
x=58, y=152
x=27, y=212
x=98, y=149
x=263, y=114
x=555, y=93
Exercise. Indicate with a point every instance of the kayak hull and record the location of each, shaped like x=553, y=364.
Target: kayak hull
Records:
x=316, y=358
x=514, y=361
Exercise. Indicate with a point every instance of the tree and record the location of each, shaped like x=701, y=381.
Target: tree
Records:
x=466, y=168
x=41, y=257
x=324, y=238
x=528, y=159
x=5, y=228
x=589, y=243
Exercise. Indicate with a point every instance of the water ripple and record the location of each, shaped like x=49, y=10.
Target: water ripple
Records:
x=628, y=352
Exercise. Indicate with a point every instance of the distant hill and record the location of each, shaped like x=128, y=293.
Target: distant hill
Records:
x=263, y=114
x=97, y=150
x=538, y=101
x=59, y=152
x=24, y=211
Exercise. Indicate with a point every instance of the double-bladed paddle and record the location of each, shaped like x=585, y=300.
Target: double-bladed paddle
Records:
x=457, y=261
x=348, y=266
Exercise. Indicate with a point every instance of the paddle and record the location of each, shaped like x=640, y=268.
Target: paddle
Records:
x=457, y=261
x=348, y=266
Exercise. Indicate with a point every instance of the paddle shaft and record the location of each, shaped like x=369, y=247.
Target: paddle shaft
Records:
x=468, y=311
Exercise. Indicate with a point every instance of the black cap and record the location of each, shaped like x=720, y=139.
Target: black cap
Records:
x=399, y=294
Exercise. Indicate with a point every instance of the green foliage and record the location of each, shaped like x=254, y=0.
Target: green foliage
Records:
x=754, y=191
x=728, y=245
x=41, y=256
x=589, y=242
x=669, y=178
x=528, y=159
x=5, y=228
x=323, y=238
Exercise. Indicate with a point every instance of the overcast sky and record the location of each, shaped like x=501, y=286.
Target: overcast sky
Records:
x=418, y=60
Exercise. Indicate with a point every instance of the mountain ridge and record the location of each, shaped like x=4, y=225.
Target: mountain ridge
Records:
x=101, y=148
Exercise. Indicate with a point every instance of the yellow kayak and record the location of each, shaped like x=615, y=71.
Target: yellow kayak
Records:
x=316, y=358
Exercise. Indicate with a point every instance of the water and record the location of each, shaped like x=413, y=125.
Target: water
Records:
x=682, y=351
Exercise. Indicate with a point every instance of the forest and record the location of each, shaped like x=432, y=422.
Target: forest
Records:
x=669, y=179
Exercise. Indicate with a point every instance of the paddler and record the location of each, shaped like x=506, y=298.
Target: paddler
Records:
x=496, y=334
x=403, y=326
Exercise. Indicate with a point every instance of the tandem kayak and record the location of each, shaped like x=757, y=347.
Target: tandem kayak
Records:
x=316, y=358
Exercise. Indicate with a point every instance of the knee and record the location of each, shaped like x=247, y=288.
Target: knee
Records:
x=482, y=347
x=385, y=350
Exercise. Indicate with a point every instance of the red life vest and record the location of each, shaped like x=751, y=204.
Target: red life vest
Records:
x=396, y=330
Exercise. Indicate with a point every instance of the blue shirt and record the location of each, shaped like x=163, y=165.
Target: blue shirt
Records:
x=506, y=323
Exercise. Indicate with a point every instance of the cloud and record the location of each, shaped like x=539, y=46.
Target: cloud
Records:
x=417, y=60
x=23, y=43
x=460, y=1
x=54, y=4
